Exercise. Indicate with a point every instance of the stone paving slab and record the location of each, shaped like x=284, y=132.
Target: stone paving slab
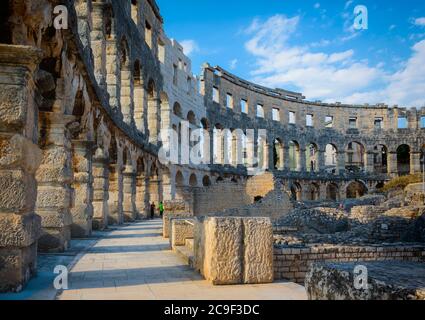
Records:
x=135, y=263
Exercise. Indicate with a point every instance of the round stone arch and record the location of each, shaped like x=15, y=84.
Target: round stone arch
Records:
x=206, y=181
x=355, y=156
x=193, y=180
x=312, y=157
x=403, y=159
x=296, y=191
x=356, y=189
x=332, y=192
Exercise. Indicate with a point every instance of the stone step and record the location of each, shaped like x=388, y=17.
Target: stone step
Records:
x=189, y=244
x=186, y=254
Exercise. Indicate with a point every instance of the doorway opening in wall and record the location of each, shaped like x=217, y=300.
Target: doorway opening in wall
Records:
x=380, y=159
x=356, y=189
x=403, y=160
x=355, y=154
x=332, y=192
x=330, y=158
x=296, y=192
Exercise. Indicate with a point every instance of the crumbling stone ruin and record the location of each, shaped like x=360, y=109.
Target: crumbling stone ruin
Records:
x=82, y=115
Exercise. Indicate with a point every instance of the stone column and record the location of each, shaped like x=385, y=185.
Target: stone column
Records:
x=166, y=187
x=340, y=160
x=129, y=194
x=112, y=72
x=392, y=164
x=321, y=162
x=99, y=43
x=301, y=167
x=55, y=178
x=19, y=158
x=101, y=187
x=141, y=203
x=369, y=165
x=82, y=211
x=286, y=159
x=153, y=119
x=415, y=162
x=115, y=195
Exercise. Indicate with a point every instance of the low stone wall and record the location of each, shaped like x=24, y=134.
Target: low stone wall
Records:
x=234, y=250
x=292, y=263
x=388, y=280
x=181, y=229
x=166, y=221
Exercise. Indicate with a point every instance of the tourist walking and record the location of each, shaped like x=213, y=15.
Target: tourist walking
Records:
x=152, y=210
x=161, y=209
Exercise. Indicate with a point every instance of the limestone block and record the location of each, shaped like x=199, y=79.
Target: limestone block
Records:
x=13, y=106
x=55, y=218
x=258, y=251
x=19, y=230
x=223, y=248
x=17, y=191
x=18, y=265
x=234, y=250
x=54, y=239
x=54, y=197
x=181, y=230
x=18, y=151
x=167, y=217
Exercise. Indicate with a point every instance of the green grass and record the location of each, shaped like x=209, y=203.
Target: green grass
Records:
x=402, y=182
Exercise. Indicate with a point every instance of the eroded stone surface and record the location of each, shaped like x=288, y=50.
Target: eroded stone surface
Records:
x=386, y=281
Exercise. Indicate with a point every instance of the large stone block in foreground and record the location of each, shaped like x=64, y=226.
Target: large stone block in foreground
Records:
x=234, y=250
x=387, y=280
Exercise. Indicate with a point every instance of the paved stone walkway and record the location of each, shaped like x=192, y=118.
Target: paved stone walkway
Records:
x=134, y=262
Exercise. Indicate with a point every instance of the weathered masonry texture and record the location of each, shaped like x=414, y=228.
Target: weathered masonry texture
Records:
x=81, y=115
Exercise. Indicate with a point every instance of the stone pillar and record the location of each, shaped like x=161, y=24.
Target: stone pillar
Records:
x=369, y=165
x=129, y=194
x=153, y=119
x=141, y=203
x=19, y=158
x=392, y=164
x=286, y=159
x=212, y=151
x=115, y=195
x=268, y=156
x=166, y=187
x=340, y=162
x=301, y=167
x=415, y=162
x=112, y=71
x=82, y=211
x=101, y=187
x=99, y=43
x=55, y=178
x=321, y=162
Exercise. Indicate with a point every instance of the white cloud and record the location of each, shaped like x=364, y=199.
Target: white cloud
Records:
x=392, y=27
x=189, y=46
x=420, y=22
x=233, y=64
x=330, y=76
x=317, y=5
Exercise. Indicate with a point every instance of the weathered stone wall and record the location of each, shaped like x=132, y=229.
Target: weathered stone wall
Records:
x=292, y=263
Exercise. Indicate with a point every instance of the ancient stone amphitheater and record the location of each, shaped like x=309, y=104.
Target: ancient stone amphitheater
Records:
x=83, y=112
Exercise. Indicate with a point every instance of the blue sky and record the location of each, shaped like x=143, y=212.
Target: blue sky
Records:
x=309, y=46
